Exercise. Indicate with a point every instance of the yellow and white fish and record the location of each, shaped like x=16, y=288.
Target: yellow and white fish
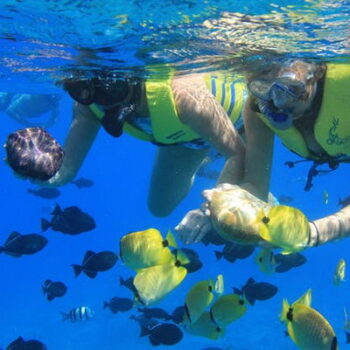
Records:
x=266, y=261
x=308, y=329
x=205, y=327
x=227, y=308
x=142, y=249
x=284, y=227
x=339, y=274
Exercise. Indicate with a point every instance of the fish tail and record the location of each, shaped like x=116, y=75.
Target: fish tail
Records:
x=77, y=270
x=45, y=224
x=218, y=254
x=285, y=308
x=170, y=238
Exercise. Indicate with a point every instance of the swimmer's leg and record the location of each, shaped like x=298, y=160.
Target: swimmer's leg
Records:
x=172, y=177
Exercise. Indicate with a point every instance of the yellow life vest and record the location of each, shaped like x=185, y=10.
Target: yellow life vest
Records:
x=332, y=126
x=166, y=125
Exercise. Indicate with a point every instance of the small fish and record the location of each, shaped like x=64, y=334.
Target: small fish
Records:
x=285, y=199
x=53, y=290
x=155, y=282
x=154, y=312
x=21, y=344
x=71, y=220
x=82, y=182
x=159, y=333
x=205, y=327
x=253, y=291
x=45, y=192
x=95, y=262
x=17, y=245
x=325, y=197
x=227, y=308
x=80, y=313
x=308, y=328
x=197, y=299
x=142, y=249
x=117, y=304
x=265, y=260
x=233, y=251
x=284, y=227
x=286, y=262
x=339, y=274
x=344, y=202
x=347, y=321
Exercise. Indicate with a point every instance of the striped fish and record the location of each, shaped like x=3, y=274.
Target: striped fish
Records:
x=80, y=313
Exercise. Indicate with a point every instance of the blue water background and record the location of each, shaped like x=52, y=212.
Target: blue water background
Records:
x=121, y=171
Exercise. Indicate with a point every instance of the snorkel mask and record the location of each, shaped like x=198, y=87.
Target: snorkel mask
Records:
x=276, y=99
x=111, y=96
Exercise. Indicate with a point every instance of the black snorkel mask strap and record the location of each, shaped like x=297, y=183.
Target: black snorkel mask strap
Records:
x=114, y=119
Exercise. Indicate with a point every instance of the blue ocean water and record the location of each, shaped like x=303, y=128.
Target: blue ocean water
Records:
x=40, y=42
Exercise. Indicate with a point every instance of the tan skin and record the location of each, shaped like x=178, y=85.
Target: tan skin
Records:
x=258, y=162
x=175, y=165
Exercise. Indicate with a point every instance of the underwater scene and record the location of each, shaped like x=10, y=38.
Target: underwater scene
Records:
x=175, y=174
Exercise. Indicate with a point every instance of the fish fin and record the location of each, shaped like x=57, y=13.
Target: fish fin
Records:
x=218, y=254
x=2, y=249
x=249, y=299
x=285, y=308
x=57, y=210
x=334, y=345
x=13, y=235
x=154, y=341
x=105, y=304
x=47, y=283
x=347, y=334
x=77, y=269
x=121, y=281
x=44, y=289
x=182, y=257
x=14, y=254
x=219, y=285
x=18, y=341
x=45, y=224
x=50, y=297
x=91, y=274
x=144, y=331
x=88, y=255
x=237, y=291
x=249, y=282
x=29, y=190
x=170, y=238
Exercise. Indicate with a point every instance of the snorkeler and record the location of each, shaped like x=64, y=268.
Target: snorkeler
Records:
x=181, y=114
x=306, y=105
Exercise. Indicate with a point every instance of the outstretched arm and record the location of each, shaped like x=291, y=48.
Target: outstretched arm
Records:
x=80, y=138
x=330, y=228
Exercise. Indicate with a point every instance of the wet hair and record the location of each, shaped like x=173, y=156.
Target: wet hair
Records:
x=34, y=153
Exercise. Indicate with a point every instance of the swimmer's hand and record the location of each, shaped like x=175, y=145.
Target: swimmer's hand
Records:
x=61, y=178
x=194, y=226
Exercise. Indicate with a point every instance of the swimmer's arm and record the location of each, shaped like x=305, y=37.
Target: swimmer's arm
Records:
x=330, y=228
x=80, y=138
x=259, y=153
x=198, y=109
